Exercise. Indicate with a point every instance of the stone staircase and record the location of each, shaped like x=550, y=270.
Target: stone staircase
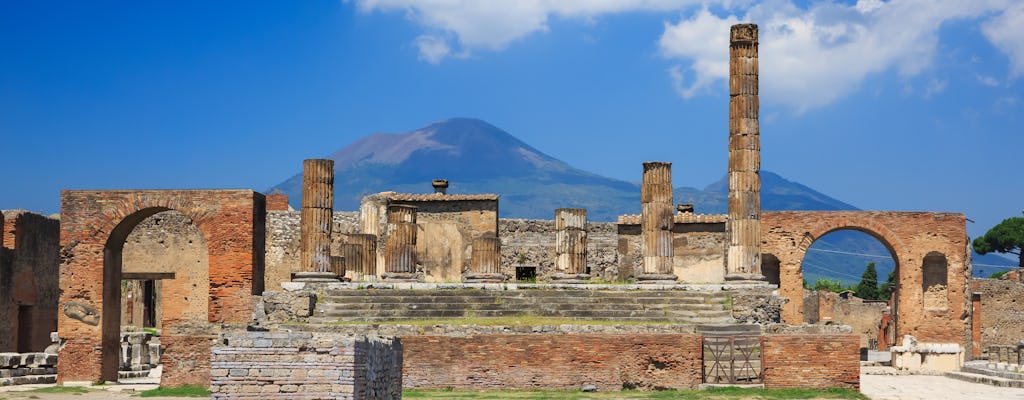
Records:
x=396, y=305
x=990, y=373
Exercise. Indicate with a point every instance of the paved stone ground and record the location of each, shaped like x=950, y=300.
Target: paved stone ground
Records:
x=927, y=387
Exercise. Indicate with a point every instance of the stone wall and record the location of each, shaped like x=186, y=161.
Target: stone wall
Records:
x=27, y=368
x=28, y=281
x=864, y=317
x=811, y=361
x=698, y=250
x=266, y=365
x=531, y=242
x=1002, y=318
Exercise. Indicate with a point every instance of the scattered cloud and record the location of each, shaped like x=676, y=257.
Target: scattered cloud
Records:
x=1006, y=32
x=935, y=86
x=811, y=57
x=492, y=25
x=433, y=49
x=986, y=80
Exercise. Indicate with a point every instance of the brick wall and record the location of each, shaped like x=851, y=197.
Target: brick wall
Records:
x=910, y=236
x=265, y=365
x=560, y=362
x=28, y=281
x=94, y=220
x=811, y=361
x=278, y=202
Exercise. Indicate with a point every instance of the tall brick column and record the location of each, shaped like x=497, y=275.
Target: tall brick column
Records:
x=316, y=221
x=400, y=248
x=656, y=223
x=364, y=261
x=744, y=258
x=570, y=246
x=485, y=262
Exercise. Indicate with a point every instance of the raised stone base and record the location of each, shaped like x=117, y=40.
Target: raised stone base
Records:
x=570, y=278
x=402, y=277
x=314, y=277
x=480, y=277
x=656, y=279
x=745, y=278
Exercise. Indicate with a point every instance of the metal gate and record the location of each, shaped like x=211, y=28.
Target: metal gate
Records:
x=732, y=359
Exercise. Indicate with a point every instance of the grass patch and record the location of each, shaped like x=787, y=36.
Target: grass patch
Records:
x=61, y=389
x=179, y=391
x=728, y=393
x=524, y=319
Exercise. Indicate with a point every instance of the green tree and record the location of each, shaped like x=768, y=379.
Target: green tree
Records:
x=834, y=286
x=886, y=289
x=867, y=289
x=1007, y=237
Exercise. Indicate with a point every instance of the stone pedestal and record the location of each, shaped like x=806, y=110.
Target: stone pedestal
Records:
x=743, y=261
x=656, y=223
x=316, y=221
x=485, y=263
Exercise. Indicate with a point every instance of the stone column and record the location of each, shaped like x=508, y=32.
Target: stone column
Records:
x=366, y=263
x=485, y=262
x=400, y=248
x=656, y=222
x=316, y=221
x=570, y=246
x=352, y=261
x=743, y=262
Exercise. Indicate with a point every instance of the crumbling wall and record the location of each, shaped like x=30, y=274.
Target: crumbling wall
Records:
x=283, y=242
x=28, y=281
x=810, y=361
x=446, y=232
x=699, y=250
x=1002, y=311
x=531, y=242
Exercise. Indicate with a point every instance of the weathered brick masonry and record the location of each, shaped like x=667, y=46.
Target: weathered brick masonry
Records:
x=811, y=361
x=559, y=362
x=94, y=227
x=932, y=298
x=28, y=281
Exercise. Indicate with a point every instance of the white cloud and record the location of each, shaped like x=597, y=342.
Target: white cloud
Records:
x=986, y=80
x=432, y=48
x=812, y=57
x=1007, y=33
x=935, y=86
x=492, y=25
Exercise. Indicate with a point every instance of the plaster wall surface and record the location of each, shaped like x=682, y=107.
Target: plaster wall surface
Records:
x=698, y=251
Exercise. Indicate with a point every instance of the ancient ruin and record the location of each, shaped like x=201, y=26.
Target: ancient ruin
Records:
x=205, y=283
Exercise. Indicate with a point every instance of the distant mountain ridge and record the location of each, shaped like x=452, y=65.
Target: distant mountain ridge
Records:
x=477, y=157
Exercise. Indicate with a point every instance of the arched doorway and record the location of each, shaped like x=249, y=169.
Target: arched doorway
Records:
x=838, y=287
x=153, y=244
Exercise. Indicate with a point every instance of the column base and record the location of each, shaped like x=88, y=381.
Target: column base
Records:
x=484, y=277
x=570, y=278
x=738, y=278
x=314, y=277
x=656, y=279
x=401, y=277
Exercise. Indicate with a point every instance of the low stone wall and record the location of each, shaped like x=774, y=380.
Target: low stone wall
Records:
x=615, y=361
x=1006, y=354
x=531, y=242
x=27, y=368
x=1002, y=318
x=279, y=365
x=811, y=361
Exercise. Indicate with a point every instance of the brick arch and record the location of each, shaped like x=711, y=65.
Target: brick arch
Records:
x=94, y=226
x=907, y=235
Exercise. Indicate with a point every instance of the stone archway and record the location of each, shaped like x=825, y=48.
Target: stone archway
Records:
x=94, y=226
x=909, y=237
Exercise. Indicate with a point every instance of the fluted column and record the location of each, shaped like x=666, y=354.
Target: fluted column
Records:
x=570, y=246
x=743, y=262
x=316, y=221
x=656, y=223
x=364, y=265
x=485, y=261
x=400, y=248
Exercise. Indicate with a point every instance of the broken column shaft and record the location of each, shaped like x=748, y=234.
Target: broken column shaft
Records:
x=743, y=262
x=400, y=248
x=571, y=245
x=656, y=223
x=364, y=261
x=485, y=261
x=316, y=221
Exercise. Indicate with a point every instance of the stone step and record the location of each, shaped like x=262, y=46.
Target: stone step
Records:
x=602, y=314
x=985, y=379
x=992, y=369
x=500, y=304
x=513, y=298
x=730, y=330
x=526, y=292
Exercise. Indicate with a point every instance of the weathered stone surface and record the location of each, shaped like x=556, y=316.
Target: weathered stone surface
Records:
x=317, y=210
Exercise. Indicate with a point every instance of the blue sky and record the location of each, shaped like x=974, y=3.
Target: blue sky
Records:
x=899, y=105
